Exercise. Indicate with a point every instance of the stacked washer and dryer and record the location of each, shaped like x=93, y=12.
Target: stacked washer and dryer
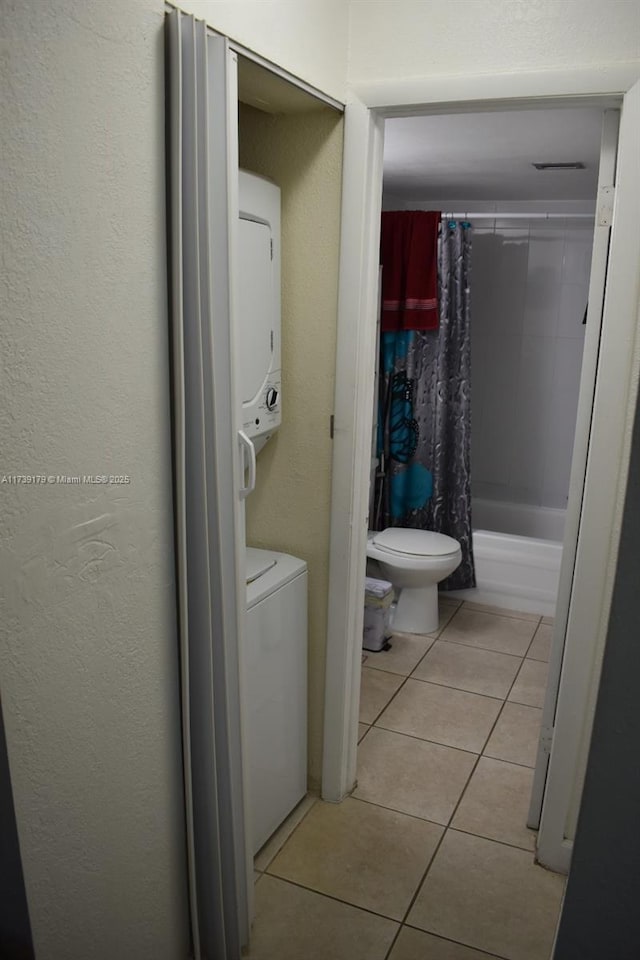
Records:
x=276, y=622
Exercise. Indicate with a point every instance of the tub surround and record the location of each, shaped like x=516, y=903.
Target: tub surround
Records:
x=519, y=519
x=515, y=573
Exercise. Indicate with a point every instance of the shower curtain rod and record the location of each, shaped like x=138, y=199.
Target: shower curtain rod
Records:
x=493, y=215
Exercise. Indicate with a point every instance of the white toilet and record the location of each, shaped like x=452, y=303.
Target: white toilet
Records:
x=415, y=561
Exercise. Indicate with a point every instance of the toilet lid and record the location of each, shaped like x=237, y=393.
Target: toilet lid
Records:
x=418, y=543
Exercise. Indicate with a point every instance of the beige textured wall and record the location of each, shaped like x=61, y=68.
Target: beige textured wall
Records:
x=397, y=39
x=307, y=37
x=290, y=509
x=88, y=648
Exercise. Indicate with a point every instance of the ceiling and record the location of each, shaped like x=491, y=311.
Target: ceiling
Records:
x=488, y=156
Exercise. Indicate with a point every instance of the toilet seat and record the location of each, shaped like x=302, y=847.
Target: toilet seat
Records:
x=402, y=541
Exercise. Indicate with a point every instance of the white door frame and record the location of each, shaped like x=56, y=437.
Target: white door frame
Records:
x=591, y=352
x=602, y=508
x=617, y=374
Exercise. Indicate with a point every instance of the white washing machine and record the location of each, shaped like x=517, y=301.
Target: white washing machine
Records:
x=276, y=688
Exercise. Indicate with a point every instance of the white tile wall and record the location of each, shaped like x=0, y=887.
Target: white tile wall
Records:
x=529, y=287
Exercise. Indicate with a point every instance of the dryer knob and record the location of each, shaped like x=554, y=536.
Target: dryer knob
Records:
x=271, y=398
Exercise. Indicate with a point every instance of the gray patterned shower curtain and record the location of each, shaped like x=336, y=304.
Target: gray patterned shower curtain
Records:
x=424, y=452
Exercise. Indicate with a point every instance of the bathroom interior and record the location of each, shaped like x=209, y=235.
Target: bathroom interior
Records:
x=452, y=690
x=531, y=240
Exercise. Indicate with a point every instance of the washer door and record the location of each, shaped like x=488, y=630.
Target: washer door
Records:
x=255, y=307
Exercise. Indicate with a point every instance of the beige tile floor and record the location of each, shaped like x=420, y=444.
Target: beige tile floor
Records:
x=431, y=858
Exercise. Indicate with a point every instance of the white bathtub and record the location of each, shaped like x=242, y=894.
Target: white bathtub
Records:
x=517, y=573
x=518, y=519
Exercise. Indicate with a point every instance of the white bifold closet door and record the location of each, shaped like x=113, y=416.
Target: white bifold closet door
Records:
x=203, y=174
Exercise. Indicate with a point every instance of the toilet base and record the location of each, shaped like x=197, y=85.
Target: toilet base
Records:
x=417, y=610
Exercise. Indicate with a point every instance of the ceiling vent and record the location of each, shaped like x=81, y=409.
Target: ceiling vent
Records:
x=574, y=165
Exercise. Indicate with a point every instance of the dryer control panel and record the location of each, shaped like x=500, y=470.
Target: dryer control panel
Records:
x=258, y=307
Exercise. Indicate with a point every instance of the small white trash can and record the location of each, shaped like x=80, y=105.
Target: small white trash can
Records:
x=378, y=597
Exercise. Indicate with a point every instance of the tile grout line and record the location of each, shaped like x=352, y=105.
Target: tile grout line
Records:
x=455, y=810
x=410, y=676
x=394, y=941
x=435, y=742
x=437, y=847
x=361, y=739
x=356, y=906
x=330, y=896
x=300, y=822
x=538, y=625
x=521, y=703
x=435, y=640
x=476, y=646
x=449, y=686
x=524, y=659
x=471, y=773
x=402, y=813
x=445, y=826
x=536, y=659
x=374, y=913
x=481, y=754
x=504, y=843
x=423, y=636
x=444, y=832
x=404, y=678
x=402, y=923
x=428, y=650
x=437, y=637
x=389, y=701
x=504, y=702
x=420, y=884
x=438, y=743
x=491, y=956
x=506, y=614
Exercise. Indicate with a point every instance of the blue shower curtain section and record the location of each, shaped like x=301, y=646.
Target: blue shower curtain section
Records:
x=411, y=487
x=424, y=418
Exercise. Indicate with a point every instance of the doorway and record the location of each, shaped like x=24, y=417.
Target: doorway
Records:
x=531, y=227
x=524, y=185
x=615, y=375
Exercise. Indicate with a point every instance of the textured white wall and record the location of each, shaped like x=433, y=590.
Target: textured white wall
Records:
x=529, y=291
x=88, y=655
x=394, y=39
x=308, y=38
x=290, y=509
